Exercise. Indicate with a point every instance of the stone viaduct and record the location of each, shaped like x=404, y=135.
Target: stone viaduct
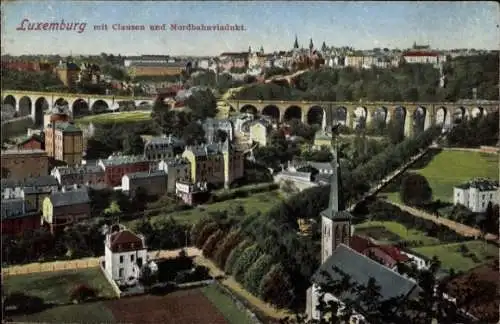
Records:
x=35, y=103
x=351, y=114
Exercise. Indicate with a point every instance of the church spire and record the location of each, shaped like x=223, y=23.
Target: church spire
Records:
x=336, y=202
x=311, y=45
x=296, y=43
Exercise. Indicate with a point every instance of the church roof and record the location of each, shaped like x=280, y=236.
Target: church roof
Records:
x=360, y=269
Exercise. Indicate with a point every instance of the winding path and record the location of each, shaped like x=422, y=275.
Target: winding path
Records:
x=460, y=228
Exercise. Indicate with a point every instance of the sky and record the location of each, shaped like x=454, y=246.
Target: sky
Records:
x=272, y=25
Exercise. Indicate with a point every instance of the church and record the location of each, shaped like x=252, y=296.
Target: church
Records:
x=336, y=233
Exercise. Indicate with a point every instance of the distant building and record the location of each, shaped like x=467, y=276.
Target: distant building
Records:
x=476, y=194
x=125, y=253
x=80, y=175
x=421, y=57
x=163, y=147
x=64, y=208
x=212, y=125
x=22, y=164
x=158, y=69
x=116, y=166
x=64, y=142
x=16, y=219
x=216, y=164
x=259, y=131
x=154, y=183
x=191, y=193
x=68, y=73
x=230, y=60
x=89, y=73
x=33, y=142
x=177, y=169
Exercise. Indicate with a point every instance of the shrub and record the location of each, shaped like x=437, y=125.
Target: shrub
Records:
x=205, y=233
x=82, y=293
x=415, y=190
x=463, y=248
x=256, y=272
x=225, y=247
x=244, y=261
x=276, y=288
x=195, y=230
x=234, y=255
x=211, y=243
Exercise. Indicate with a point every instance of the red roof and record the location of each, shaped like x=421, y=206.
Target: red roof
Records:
x=123, y=239
x=360, y=244
x=394, y=253
x=433, y=54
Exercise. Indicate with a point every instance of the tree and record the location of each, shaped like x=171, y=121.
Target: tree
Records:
x=226, y=246
x=244, y=261
x=211, y=243
x=256, y=272
x=133, y=144
x=234, y=255
x=193, y=133
x=82, y=293
x=202, y=104
x=276, y=288
x=415, y=190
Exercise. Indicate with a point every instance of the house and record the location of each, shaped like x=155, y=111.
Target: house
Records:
x=80, y=175
x=419, y=260
x=125, y=253
x=387, y=255
x=64, y=142
x=163, y=147
x=177, y=169
x=22, y=164
x=16, y=219
x=116, y=166
x=33, y=142
x=211, y=126
x=216, y=164
x=192, y=193
x=66, y=207
x=421, y=57
x=477, y=194
x=153, y=182
x=259, y=131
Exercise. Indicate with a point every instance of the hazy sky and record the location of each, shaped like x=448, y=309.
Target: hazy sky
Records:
x=270, y=24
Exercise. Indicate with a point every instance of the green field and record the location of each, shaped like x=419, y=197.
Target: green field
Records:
x=392, y=232
x=226, y=306
x=55, y=287
x=91, y=313
x=257, y=202
x=451, y=168
x=115, y=118
x=451, y=257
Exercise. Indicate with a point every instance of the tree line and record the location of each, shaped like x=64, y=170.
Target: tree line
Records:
x=475, y=132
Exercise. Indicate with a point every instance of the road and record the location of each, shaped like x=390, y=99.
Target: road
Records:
x=460, y=228
x=83, y=263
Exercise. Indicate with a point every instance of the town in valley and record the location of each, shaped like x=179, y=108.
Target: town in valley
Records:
x=294, y=171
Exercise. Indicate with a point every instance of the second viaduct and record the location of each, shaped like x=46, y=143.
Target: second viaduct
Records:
x=352, y=114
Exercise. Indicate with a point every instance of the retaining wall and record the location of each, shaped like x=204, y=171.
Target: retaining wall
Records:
x=115, y=287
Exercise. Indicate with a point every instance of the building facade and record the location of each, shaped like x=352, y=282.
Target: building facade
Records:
x=155, y=182
x=177, y=169
x=211, y=126
x=23, y=164
x=259, y=132
x=16, y=219
x=68, y=73
x=191, y=193
x=115, y=167
x=80, y=175
x=156, y=69
x=216, y=164
x=64, y=208
x=477, y=194
x=33, y=142
x=125, y=253
x=64, y=142
x=164, y=147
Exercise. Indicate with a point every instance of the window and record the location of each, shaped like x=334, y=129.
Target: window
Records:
x=120, y=272
x=491, y=196
x=483, y=204
x=121, y=258
x=131, y=258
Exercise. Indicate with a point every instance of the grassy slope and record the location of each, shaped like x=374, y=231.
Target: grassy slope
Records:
x=401, y=231
x=120, y=117
x=226, y=306
x=450, y=168
x=55, y=287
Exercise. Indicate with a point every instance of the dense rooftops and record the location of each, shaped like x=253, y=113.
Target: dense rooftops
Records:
x=73, y=197
x=122, y=159
x=84, y=169
x=146, y=174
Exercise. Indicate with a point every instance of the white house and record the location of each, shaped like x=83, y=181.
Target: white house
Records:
x=125, y=254
x=420, y=261
x=421, y=57
x=476, y=194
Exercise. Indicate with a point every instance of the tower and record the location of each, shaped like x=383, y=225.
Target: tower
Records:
x=296, y=43
x=335, y=220
x=311, y=45
x=226, y=157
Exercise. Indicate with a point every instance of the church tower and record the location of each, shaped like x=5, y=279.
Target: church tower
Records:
x=296, y=43
x=335, y=220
